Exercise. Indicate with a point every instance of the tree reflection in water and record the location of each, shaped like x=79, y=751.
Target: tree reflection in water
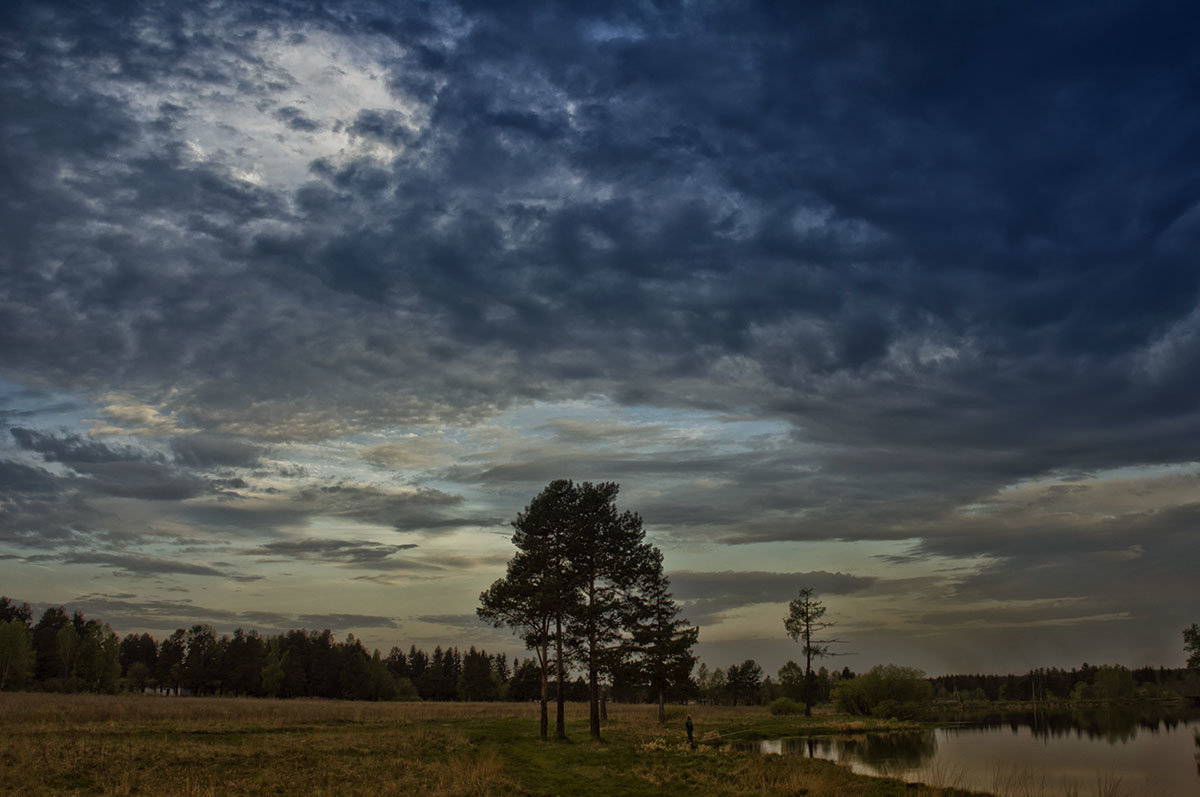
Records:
x=889, y=753
x=1147, y=742
x=886, y=753
x=1115, y=723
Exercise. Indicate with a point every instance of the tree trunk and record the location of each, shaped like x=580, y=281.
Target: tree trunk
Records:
x=662, y=709
x=560, y=721
x=544, y=726
x=593, y=700
x=593, y=679
x=808, y=701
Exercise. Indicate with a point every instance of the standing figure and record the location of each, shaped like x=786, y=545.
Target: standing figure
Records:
x=690, y=727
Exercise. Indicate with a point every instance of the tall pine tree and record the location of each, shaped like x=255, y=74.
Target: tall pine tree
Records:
x=536, y=592
x=608, y=556
x=663, y=640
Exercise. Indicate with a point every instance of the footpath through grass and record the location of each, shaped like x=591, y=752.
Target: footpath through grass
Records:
x=82, y=744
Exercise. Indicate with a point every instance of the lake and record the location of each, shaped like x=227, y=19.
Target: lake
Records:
x=1103, y=750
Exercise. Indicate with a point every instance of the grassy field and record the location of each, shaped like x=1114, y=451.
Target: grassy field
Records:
x=85, y=744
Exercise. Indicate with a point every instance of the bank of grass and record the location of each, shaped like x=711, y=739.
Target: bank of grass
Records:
x=79, y=744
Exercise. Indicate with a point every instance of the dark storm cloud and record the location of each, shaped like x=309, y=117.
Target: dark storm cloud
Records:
x=198, y=451
x=420, y=510
x=952, y=247
x=123, y=613
x=296, y=120
x=104, y=500
x=1155, y=548
x=464, y=629
x=435, y=565
x=72, y=449
x=141, y=480
x=704, y=597
x=244, y=517
x=118, y=471
x=7, y=415
x=103, y=470
x=164, y=616
x=140, y=565
x=347, y=621
x=351, y=552
x=16, y=478
x=454, y=620
x=40, y=510
x=823, y=191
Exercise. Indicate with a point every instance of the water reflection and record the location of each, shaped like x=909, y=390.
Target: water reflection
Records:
x=1117, y=723
x=889, y=753
x=1144, y=747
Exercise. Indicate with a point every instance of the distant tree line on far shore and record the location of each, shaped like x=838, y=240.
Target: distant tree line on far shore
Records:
x=745, y=684
x=1088, y=682
x=64, y=652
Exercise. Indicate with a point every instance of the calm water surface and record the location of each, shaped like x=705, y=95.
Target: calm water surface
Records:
x=1119, y=750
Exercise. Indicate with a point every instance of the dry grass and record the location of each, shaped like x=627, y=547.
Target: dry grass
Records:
x=82, y=744
x=148, y=745
x=25, y=709
x=1019, y=782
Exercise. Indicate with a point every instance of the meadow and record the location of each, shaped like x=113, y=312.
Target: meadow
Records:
x=92, y=744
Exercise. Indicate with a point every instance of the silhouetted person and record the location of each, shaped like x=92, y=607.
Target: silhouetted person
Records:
x=690, y=727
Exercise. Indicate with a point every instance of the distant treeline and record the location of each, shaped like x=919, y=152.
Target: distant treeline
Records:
x=1088, y=682
x=745, y=683
x=70, y=653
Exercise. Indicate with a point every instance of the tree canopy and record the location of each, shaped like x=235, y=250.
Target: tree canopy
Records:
x=1191, y=645
x=585, y=581
x=537, y=590
x=804, y=621
x=662, y=640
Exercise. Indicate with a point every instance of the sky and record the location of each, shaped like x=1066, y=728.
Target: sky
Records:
x=301, y=304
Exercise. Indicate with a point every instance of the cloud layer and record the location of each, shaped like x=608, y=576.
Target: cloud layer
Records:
x=317, y=286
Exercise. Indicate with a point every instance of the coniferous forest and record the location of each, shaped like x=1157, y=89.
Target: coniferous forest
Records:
x=69, y=652
x=64, y=652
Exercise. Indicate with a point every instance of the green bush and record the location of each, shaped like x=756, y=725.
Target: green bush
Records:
x=901, y=709
x=887, y=690
x=851, y=698
x=785, y=705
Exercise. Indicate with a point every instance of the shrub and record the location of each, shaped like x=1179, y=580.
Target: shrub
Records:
x=785, y=705
x=902, y=709
x=887, y=690
x=851, y=698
